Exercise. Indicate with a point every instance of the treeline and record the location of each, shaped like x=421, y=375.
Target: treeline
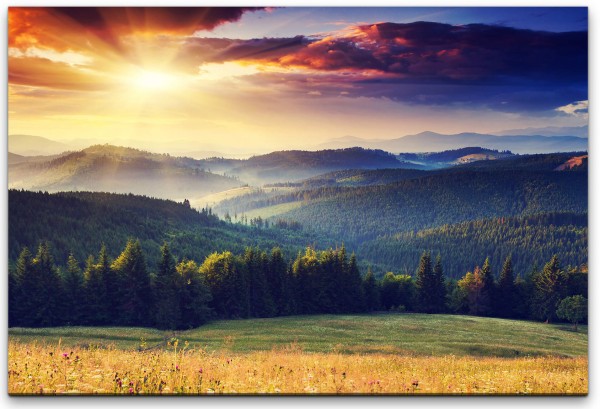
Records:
x=529, y=239
x=179, y=294
x=182, y=294
x=482, y=291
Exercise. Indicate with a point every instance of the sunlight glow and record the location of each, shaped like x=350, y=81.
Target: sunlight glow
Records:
x=154, y=80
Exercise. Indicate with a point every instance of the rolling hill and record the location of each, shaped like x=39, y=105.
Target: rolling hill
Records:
x=79, y=222
x=529, y=240
x=115, y=169
x=290, y=166
x=365, y=204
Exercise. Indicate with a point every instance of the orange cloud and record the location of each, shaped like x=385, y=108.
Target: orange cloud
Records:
x=63, y=28
x=41, y=72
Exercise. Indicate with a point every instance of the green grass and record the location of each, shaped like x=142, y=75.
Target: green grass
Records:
x=404, y=334
x=275, y=210
x=215, y=198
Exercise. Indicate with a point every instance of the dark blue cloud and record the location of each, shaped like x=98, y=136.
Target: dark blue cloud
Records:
x=496, y=67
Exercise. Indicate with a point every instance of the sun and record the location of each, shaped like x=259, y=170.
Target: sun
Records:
x=153, y=80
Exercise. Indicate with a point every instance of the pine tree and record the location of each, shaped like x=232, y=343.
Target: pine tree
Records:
x=73, y=301
x=167, y=287
x=194, y=296
x=111, y=290
x=228, y=284
x=94, y=295
x=276, y=280
x=549, y=289
x=330, y=282
x=43, y=289
x=506, y=291
x=439, y=285
x=355, y=290
x=425, y=285
x=256, y=263
x=488, y=291
x=371, y=292
x=18, y=301
x=306, y=274
x=137, y=298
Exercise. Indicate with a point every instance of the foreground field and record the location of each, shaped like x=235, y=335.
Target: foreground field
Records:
x=364, y=354
x=35, y=369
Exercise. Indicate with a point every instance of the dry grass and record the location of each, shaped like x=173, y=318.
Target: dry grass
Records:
x=56, y=369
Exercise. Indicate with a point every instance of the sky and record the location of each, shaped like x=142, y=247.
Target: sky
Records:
x=239, y=80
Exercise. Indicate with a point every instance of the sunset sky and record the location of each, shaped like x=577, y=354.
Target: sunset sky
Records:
x=254, y=80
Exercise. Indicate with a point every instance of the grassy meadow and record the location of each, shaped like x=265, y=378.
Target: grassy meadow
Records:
x=387, y=353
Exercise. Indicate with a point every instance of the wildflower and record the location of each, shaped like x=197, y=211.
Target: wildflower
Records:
x=200, y=370
x=131, y=391
x=65, y=355
x=177, y=367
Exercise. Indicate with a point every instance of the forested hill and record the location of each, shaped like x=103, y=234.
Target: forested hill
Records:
x=541, y=162
x=529, y=240
x=287, y=166
x=80, y=222
x=108, y=168
x=363, y=213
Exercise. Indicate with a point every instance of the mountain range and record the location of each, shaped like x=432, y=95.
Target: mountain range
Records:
x=435, y=142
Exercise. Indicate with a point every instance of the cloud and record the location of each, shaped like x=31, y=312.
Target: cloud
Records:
x=62, y=28
x=436, y=52
x=42, y=72
x=422, y=63
x=577, y=108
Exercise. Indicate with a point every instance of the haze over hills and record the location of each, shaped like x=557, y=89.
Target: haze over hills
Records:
x=115, y=169
x=365, y=204
x=435, y=142
x=580, y=131
x=31, y=145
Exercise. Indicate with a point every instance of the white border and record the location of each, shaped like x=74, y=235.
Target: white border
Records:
x=592, y=400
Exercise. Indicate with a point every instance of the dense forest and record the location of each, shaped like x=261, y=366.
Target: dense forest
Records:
x=530, y=240
x=367, y=212
x=504, y=238
x=79, y=222
x=180, y=293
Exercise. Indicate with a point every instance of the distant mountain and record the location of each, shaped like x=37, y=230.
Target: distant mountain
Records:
x=14, y=158
x=580, y=131
x=431, y=141
x=289, y=166
x=346, y=142
x=30, y=145
x=435, y=142
x=115, y=169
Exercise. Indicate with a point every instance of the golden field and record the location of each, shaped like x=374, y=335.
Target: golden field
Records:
x=351, y=354
x=37, y=369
